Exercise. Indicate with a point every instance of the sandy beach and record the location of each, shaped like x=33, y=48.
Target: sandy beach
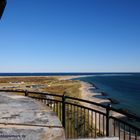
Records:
x=85, y=90
x=87, y=94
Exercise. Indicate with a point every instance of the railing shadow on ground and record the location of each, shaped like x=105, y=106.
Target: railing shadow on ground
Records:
x=85, y=119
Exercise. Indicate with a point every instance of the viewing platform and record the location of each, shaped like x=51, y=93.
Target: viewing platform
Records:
x=24, y=118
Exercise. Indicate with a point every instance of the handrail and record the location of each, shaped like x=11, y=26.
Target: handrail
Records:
x=45, y=93
x=86, y=101
x=33, y=92
x=45, y=99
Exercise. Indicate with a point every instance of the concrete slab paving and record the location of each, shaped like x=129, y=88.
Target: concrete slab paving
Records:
x=26, y=119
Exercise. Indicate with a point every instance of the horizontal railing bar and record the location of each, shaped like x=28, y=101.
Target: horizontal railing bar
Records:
x=32, y=92
x=124, y=122
x=45, y=93
x=86, y=101
x=46, y=99
x=86, y=108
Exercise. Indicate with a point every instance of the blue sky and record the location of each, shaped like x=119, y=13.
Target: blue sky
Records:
x=70, y=36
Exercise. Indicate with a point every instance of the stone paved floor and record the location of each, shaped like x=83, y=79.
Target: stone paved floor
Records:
x=32, y=120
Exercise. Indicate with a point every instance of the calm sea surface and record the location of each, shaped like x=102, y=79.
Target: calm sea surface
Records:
x=123, y=87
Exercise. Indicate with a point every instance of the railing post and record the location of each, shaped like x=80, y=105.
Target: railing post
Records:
x=63, y=110
x=108, y=114
x=26, y=92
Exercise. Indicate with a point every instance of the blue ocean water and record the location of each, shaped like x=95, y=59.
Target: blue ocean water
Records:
x=125, y=88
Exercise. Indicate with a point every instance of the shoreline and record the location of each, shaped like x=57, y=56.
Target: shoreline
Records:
x=85, y=89
x=87, y=94
x=98, y=97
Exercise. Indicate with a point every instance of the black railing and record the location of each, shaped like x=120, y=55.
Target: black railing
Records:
x=85, y=119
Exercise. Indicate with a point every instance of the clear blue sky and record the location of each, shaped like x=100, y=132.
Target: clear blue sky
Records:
x=70, y=36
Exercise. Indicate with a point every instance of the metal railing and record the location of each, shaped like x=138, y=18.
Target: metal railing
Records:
x=85, y=119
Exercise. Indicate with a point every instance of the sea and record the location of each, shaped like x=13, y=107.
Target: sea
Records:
x=123, y=88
